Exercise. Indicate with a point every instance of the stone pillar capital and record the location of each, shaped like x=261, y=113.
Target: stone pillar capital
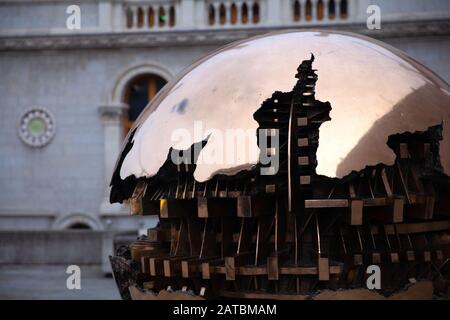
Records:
x=112, y=113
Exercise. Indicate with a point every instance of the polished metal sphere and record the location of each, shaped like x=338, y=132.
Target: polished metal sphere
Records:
x=374, y=90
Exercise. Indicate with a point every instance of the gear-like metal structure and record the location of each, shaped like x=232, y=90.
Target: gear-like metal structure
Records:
x=292, y=233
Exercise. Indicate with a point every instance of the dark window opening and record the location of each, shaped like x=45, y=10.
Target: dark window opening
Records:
x=129, y=18
x=162, y=17
x=320, y=10
x=233, y=14
x=140, y=18
x=331, y=10
x=222, y=14
x=308, y=10
x=244, y=13
x=343, y=8
x=138, y=94
x=297, y=11
x=79, y=226
x=171, y=16
x=151, y=17
x=211, y=15
x=255, y=12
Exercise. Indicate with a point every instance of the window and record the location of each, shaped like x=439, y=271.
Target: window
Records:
x=255, y=11
x=233, y=14
x=331, y=10
x=162, y=17
x=138, y=93
x=211, y=15
x=343, y=9
x=140, y=17
x=171, y=16
x=222, y=14
x=244, y=13
x=151, y=17
x=308, y=10
x=297, y=11
x=79, y=226
x=320, y=10
x=129, y=18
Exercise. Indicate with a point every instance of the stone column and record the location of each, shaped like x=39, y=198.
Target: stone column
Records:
x=216, y=13
x=118, y=19
x=325, y=10
x=134, y=10
x=314, y=10
x=273, y=12
x=238, y=13
x=111, y=116
x=337, y=10
x=105, y=13
x=302, y=10
x=227, y=13
x=145, y=20
x=185, y=16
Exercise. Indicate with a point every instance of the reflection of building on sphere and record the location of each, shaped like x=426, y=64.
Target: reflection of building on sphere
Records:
x=363, y=176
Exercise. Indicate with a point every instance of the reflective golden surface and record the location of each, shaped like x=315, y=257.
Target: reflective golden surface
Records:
x=374, y=91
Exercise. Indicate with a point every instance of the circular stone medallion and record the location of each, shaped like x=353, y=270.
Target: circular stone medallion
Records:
x=36, y=127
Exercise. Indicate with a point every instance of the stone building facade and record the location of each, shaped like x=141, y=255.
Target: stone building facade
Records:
x=81, y=78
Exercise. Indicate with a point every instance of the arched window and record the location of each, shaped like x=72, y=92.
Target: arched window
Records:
x=79, y=226
x=233, y=14
x=308, y=10
x=255, y=12
x=343, y=9
x=222, y=14
x=129, y=18
x=162, y=17
x=211, y=15
x=138, y=93
x=140, y=17
x=77, y=221
x=320, y=10
x=331, y=9
x=244, y=13
x=297, y=10
x=151, y=17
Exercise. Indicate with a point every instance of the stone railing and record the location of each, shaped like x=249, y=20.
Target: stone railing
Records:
x=235, y=13
x=150, y=15
x=50, y=17
x=111, y=16
x=326, y=11
x=156, y=15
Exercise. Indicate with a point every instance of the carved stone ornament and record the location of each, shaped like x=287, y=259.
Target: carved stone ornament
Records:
x=36, y=127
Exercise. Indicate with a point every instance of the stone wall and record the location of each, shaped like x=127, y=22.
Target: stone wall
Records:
x=66, y=176
x=51, y=247
x=432, y=51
